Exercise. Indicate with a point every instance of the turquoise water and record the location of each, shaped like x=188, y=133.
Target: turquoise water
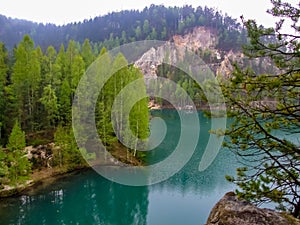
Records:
x=87, y=198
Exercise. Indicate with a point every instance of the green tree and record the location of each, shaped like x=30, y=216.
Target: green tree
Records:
x=49, y=101
x=153, y=35
x=104, y=104
x=59, y=65
x=104, y=125
x=146, y=28
x=139, y=115
x=18, y=165
x=77, y=70
x=266, y=108
x=138, y=120
x=64, y=101
x=3, y=167
x=26, y=79
x=3, y=83
x=138, y=32
x=70, y=55
x=123, y=37
x=67, y=154
x=87, y=53
x=50, y=77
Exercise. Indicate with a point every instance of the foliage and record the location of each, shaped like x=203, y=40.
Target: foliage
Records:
x=3, y=167
x=26, y=79
x=155, y=22
x=266, y=108
x=18, y=164
x=66, y=154
x=3, y=83
x=37, y=89
x=138, y=117
x=40, y=73
x=49, y=100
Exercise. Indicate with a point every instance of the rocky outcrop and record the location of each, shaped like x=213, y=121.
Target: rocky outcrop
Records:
x=225, y=68
x=40, y=156
x=199, y=37
x=154, y=57
x=232, y=211
x=203, y=42
x=172, y=52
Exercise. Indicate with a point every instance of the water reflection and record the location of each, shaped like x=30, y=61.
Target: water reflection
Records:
x=189, y=178
x=87, y=198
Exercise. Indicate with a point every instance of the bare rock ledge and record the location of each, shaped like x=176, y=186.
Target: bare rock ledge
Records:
x=232, y=211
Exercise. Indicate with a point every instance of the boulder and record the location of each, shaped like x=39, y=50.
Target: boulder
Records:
x=232, y=211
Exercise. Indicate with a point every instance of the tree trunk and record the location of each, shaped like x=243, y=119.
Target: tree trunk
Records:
x=296, y=210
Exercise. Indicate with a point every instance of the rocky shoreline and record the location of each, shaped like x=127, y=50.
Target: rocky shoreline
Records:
x=42, y=177
x=43, y=172
x=232, y=211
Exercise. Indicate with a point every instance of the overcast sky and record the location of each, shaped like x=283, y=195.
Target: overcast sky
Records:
x=66, y=11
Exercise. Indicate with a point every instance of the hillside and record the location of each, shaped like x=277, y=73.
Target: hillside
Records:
x=40, y=73
x=155, y=22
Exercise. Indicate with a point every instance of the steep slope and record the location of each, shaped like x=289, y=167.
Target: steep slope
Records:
x=201, y=41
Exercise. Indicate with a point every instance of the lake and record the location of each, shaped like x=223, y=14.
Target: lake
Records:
x=87, y=198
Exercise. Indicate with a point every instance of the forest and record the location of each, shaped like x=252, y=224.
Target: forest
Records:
x=42, y=64
x=37, y=91
x=156, y=22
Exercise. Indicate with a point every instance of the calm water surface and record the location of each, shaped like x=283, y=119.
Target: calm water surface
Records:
x=87, y=198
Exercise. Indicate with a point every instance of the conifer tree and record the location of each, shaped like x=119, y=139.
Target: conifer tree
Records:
x=49, y=100
x=26, y=80
x=3, y=82
x=266, y=114
x=87, y=53
x=18, y=165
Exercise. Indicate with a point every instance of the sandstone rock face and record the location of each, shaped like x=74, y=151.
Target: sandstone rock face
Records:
x=198, y=40
x=199, y=37
x=173, y=52
x=231, y=211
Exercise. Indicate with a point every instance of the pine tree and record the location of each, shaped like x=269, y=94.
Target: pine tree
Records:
x=49, y=101
x=87, y=53
x=67, y=154
x=3, y=83
x=59, y=65
x=18, y=165
x=26, y=80
x=50, y=77
x=77, y=70
x=266, y=114
x=64, y=103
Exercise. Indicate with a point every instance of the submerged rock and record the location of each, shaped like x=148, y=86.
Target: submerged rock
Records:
x=232, y=211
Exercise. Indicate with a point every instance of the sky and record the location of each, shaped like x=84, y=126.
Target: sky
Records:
x=65, y=11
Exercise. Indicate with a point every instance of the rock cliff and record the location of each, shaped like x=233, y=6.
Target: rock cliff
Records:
x=232, y=211
x=201, y=40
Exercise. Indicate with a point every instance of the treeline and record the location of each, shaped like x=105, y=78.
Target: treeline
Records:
x=37, y=88
x=154, y=22
x=36, y=93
